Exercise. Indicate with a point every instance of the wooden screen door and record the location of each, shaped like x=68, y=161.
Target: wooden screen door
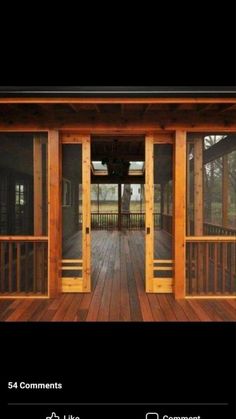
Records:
x=75, y=193
x=159, y=213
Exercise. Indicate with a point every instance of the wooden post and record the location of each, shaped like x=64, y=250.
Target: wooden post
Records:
x=38, y=184
x=198, y=186
x=38, y=209
x=225, y=190
x=54, y=256
x=119, y=206
x=149, y=199
x=86, y=213
x=179, y=213
x=198, y=209
x=188, y=200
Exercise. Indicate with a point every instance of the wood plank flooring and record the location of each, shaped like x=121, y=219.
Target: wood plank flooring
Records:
x=118, y=292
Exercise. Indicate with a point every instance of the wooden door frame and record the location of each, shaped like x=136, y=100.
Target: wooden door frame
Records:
x=153, y=284
x=82, y=284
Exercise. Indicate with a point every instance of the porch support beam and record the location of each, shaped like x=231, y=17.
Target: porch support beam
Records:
x=179, y=213
x=54, y=244
x=130, y=127
x=149, y=199
x=198, y=186
x=86, y=179
x=38, y=193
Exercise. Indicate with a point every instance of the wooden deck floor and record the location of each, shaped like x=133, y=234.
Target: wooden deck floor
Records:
x=118, y=292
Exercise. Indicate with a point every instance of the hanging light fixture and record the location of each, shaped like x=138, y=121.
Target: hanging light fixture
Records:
x=116, y=167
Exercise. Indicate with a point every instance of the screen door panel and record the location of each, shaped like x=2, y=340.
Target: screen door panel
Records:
x=75, y=217
x=159, y=216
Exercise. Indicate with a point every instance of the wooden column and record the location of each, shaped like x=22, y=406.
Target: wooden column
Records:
x=38, y=211
x=86, y=161
x=119, y=206
x=179, y=213
x=38, y=184
x=54, y=238
x=188, y=200
x=198, y=186
x=149, y=199
x=197, y=286
x=225, y=190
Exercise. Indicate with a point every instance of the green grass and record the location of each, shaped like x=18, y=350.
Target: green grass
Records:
x=111, y=206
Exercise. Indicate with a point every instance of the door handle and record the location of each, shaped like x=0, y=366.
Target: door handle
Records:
x=148, y=230
x=87, y=230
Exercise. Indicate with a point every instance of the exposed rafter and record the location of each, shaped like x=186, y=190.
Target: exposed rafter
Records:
x=224, y=146
x=97, y=108
x=227, y=108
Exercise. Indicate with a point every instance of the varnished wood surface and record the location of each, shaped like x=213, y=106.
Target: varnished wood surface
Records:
x=118, y=292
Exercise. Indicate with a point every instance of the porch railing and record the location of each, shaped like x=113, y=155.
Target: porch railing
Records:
x=110, y=221
x=217, y=230
x=210, y=267
x=23, y=266
x=128, y=221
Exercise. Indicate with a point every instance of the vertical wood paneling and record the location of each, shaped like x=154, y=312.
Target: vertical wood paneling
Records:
x=54, y=212
x=179, y=213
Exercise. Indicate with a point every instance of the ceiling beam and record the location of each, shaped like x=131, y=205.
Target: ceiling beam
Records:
x=113, y=125
x=224, y=146
x=74, y=107
x=227, y=108
x=204, y=107
x=117, y=100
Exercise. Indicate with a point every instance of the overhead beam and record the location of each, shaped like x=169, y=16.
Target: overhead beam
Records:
x=98, y=100
x=128, y=128
x=224, y=146
x=164, y=119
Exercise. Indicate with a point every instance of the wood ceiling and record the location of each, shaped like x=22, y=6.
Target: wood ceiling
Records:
x=48, y=114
